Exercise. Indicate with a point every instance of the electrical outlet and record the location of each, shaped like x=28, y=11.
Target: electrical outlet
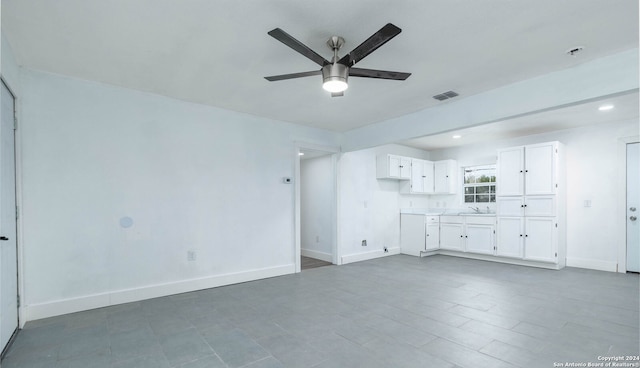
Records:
x=191, y=255
x=364, y=243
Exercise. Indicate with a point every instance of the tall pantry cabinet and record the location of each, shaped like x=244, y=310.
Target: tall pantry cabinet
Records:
x=531, y=203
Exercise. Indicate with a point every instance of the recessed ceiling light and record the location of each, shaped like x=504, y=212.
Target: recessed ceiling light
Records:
x=456, y=136
x=605, y=107
x=300, y=153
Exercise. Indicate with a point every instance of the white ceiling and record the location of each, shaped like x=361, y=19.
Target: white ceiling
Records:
x=625, y=108
x=217, y=52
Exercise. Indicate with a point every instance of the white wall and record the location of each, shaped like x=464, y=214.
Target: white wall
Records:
x=191, y=177
x=592, y=171
x=317, y=198
x=369, y=208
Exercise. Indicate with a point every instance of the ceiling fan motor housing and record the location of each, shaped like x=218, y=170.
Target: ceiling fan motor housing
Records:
x=335, y=74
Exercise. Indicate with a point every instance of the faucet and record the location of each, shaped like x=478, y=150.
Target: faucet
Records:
x=475, y=209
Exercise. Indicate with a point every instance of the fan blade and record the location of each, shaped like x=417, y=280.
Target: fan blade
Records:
x=337, y=94
x=381, y=74
x=285, y=38
x=376, y=40
x=274, y=78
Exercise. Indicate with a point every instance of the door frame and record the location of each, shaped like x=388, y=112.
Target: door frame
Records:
x=622, y=200
x=18, y=196
x=335, y=158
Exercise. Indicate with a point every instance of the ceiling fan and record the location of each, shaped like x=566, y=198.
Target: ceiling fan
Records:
x=336, y=72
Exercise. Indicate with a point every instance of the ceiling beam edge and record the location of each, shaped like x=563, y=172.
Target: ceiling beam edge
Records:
x=609, y=76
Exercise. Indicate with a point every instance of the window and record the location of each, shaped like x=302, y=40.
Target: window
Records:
x=480, y=184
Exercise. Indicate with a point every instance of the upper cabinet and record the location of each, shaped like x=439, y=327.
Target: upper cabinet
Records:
x=528, y=170
x=445, y=177
x=418, y=176
x=421, y=178
x=393, y=167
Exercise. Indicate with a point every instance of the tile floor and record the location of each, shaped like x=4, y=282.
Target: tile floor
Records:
x=397, y=311
x=308, y=262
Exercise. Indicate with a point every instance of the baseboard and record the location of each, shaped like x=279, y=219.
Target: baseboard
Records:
x=66, y=306
x=593, y=264
x=317, y=255
x=350, y=258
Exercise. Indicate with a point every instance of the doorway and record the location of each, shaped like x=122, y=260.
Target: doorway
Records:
x=8, y=243
x=633, y=207
x=316, y=207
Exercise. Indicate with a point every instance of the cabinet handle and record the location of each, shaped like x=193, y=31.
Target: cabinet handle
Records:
x=526, y=171
x=521, y=235
x=461, y=236
x=4, y=238
x=526, y=236
x=466, y=236
x=525, y=205
x=522, y=205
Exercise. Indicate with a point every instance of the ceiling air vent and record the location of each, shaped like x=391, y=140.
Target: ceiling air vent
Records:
x=445, y=95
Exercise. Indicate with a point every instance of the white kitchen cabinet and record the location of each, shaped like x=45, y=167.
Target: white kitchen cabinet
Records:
x=540, y=242
x=451, y=236
x=530, y=203
x=529, y=238
x=510, y=171
x=479, y=238
x=445, y=178
x=419, y=233
x=526, y=206
x=540, y=169
x=421, y=181
x=528, y=170
x=393, y=167
x=412, y=234
x=510, y=237
x=433, y=234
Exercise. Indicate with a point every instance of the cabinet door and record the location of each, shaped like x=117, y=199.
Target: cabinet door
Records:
x=540, y=205
x=510, y=237
x=442, y=180
x=417, y=176
x=510, y=172
x=405, y=168
x=510, y=206
x=540, y=241
x=433, y=236
x=427, y=178
x=394, y=166
x=451, y=237
x=540, y=169
x=479, y=238
x=412, y=234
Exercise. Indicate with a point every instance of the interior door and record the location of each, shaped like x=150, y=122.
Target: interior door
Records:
x=8, y=251
x=633, y=207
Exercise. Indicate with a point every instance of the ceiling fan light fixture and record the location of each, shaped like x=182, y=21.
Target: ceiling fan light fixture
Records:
x=334, y=77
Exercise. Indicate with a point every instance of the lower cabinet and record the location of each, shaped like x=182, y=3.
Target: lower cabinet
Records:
x=510, y=237
x=540, y=243
x=412, y=234
x=451, y=236
x=529, y=238
x=479, y=238
x=419, y=233
x=474, y=234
